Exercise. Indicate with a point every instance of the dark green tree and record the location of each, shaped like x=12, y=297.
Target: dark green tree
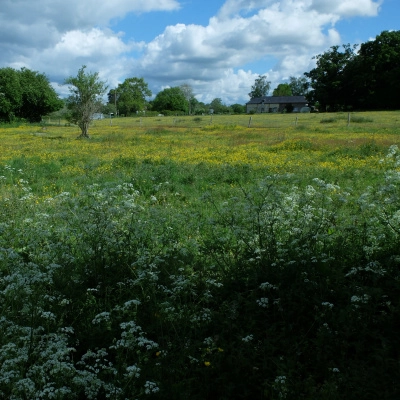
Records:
x=38, y=96
x=194, y=105
x=26, y=94
x=218, y=106
x=375, y=73
x=299, y=86
x=10, y=94
x=130, y=96
x=85, y=99
x=238, y=108
x=170, y=99
x=261, y=87
x=200, y=108
x=329, y=79
x=283, y=89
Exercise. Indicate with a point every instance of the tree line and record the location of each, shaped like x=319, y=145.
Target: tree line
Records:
x=345, y=77
x=131, y=97
x=360, y=78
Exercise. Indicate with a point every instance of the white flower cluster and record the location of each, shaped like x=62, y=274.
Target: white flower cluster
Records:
x=151, y=387
x=267, y=285
x=357, y=300
x=327, y=304
x=247, y=338
x=263, y=302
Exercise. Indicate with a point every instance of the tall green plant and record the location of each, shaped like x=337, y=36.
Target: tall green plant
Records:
x=85, y=99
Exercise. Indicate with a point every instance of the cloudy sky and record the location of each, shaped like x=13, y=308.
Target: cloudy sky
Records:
x=219, y=47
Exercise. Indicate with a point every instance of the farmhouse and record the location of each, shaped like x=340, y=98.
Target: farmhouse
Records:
x=269, y=104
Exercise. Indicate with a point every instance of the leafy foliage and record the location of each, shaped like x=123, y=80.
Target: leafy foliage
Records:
x=238, y=108
x=130, y=96
x=272, y=290
x=376, y=71
x=329, y=80
x=299, y=86
x=218, y=106
x=261, y=87
x=366, y=79
x=85, y=99
x=10, y=95
x=26, y=94
x=170, y=99
x=283, y=89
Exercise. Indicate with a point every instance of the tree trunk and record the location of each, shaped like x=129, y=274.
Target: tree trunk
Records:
x=85, y=129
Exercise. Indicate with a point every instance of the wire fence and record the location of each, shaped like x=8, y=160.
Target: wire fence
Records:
x=383, y=120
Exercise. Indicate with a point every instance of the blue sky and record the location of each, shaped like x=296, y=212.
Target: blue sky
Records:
x=218, y=47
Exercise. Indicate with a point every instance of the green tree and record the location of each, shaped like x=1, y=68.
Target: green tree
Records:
x=170, y=99
x=85, y=99
x=26, y=94
x=108, y=108
x=200, y=108
x=10, y=94
x=367, y=79
x=299, y=86
x=329, y=80
x=38, y=96
x=218, y=106
x=261, y=87
x=238, y=108
x=283, y=89
x=194, y=105
x=374, y=73
x=130, y=96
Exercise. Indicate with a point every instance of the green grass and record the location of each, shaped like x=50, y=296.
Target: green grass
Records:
x=196, y=260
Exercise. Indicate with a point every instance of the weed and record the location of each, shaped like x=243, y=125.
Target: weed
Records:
x=330, y=120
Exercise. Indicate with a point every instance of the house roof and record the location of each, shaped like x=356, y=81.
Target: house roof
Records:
x=278, y=100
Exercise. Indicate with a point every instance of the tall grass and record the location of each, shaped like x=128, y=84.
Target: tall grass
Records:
x=215, y=262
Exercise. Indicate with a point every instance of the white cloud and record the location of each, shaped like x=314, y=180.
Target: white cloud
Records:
x=237, y=7
x=79, y=13
x=346, y=8
x=28, y=23
x=210, y=53
x=57, y=38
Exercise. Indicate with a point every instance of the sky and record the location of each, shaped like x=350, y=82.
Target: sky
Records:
x=218, y=47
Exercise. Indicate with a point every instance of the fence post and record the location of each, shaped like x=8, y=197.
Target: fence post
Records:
x=348, y=119
x=295, y=124
x=249, y=122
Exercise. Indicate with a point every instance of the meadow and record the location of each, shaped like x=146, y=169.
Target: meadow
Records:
x=201, y=257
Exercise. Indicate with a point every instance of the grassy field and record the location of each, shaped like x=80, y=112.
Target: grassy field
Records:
x=201, y=258
x=316, y=145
